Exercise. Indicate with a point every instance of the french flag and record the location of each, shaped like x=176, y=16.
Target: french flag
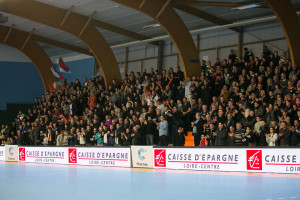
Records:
x=63, y=67
x=57, y=74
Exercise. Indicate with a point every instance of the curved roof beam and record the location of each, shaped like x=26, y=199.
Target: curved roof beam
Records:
x=163, y=13
x=27, y=45
x=290, y=24
x=76, y=24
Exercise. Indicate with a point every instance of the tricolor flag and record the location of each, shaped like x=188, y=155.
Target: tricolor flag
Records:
x=57, y=74
x=63, y=67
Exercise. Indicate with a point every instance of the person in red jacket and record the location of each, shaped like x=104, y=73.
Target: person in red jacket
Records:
x=203, y=141
x=92, y=100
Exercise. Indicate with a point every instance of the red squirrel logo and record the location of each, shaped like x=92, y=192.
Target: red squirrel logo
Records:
x=159, y=157
x=72, y=155
x=254, y=160
x=21, y=154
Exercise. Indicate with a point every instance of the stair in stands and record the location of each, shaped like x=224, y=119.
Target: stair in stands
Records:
x=189, y=140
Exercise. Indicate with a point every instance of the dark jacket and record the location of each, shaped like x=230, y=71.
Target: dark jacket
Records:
x=150, y=128
x=285, y=138
x=221, y=137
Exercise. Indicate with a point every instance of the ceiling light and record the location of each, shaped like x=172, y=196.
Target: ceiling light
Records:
x=248, y=6
x=152, y=25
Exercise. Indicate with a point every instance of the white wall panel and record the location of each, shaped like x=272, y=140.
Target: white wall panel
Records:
x=122, y=69
x=120, y=55
x=256, y=49
x=280, y=46
x=150, y=51
x=218, y=38
x=151, y=63
x=263, y=32
x=212, y=55
x=134, y=66
x=168, y=47
x=224, y=53
x=136, y=53
x=174, y=49
x=170, y=61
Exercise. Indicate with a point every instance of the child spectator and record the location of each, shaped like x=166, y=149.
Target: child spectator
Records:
x=203, y=141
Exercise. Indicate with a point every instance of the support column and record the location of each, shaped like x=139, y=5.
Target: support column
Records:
x=160, y=55
x=126, y=60
x=240, y=43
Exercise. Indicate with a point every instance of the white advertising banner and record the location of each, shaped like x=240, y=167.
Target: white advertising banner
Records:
x=2, y=153
x=142, y=156
x=50, y=155
x=11, y=153
x=228, y=159
x=274, y=160
x=198, y=159
x=109, y=157
x=119, y=157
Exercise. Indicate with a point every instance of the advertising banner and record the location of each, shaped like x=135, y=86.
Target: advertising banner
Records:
x=198, y=159
x=273, y=160
x=119, y=157
x=11, y=153
x=227, y=159
x=110, y=157
x=53, y=155
x=2, y=153
x=142, y=156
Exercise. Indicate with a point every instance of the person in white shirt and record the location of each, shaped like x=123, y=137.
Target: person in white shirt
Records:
x=271, y=138
x=187, y=91
x=160, y=106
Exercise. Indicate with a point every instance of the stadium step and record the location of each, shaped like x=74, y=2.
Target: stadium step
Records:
x=189, y=140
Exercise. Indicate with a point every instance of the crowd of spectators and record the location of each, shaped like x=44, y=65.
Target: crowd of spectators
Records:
x=254, y=101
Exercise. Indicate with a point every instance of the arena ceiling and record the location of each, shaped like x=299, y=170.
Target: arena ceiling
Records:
x=119, y=24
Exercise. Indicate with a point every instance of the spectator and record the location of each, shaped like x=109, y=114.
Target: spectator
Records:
x=232, y=56
x=125, y=136
x=271, y=137
x=197, y=126
x=221, y=135
x=295, y=134
x=239, y=135
x=162, y=127
x=231, y=136
x=99, y=136
x=59, y=139
x=250, y=137
x=284, y=134
x=150, y=130
x=229, y=92
x=247, y=55
x=203, y=142
x=180, y=137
